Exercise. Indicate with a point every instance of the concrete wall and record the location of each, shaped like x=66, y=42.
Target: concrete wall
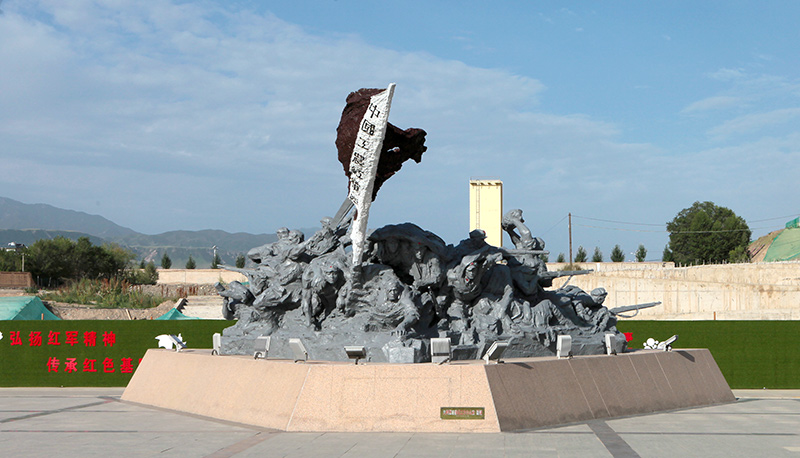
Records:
x=197, y=276
x=757, y=291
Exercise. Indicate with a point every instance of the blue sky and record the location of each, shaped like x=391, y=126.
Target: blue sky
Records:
x=165, y=115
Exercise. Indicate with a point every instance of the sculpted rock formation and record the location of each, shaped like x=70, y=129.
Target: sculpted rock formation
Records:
x=411, y=288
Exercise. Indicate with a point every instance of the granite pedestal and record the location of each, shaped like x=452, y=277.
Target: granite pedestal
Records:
x=518, y=394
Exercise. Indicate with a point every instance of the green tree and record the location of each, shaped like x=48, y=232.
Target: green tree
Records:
x=49, y=261
x=560, y=257
x=545, y=257
x=598, y=255
x=740, y=254
x=216, y=261
x=151, y=272
x=667, y=255
x=144, y=276
x=11, y=261
x=707, y=233
x=190, y=264
x=641, y=253
x=617, y=255
x=580, y=256
x=55, y=261
x=240, y=260
x=166, y=262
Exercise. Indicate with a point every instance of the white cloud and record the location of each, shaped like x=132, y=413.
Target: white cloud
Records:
x=713, y=103
x=754, y=122
x=117, y=95
x=166, y=116
x=727, y=74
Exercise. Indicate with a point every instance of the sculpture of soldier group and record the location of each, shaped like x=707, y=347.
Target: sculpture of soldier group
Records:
x=410, y=287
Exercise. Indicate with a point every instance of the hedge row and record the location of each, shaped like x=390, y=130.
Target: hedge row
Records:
x=87, y=352
x=751, y=354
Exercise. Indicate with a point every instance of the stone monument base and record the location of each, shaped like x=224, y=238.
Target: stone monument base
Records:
x=464, y=396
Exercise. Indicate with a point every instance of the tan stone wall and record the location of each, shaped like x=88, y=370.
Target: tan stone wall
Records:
x=16, y=280
x=197, y=276
x=757, y=291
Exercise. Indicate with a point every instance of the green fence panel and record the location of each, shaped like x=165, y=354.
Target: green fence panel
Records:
x=88, y=352
x=750, y=354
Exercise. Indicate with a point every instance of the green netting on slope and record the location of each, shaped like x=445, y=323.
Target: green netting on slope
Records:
x=785, y=247
x=24, y=308
x=175, y=314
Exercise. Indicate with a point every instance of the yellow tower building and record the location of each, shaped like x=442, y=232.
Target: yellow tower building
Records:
x=486, y=208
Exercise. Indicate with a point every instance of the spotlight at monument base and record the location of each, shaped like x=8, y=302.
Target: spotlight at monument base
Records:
x=667, y=344
x=440, y=350
x=178, y=341
x=298, y=350
x=216, y=343
x=495, y=351
x=611, y=344
x=355, y=352
x=170, y=341
x=261, y=347
x=564, y=346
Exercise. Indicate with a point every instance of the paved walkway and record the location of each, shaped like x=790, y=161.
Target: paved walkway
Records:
x=205, y=307
x=72, y=422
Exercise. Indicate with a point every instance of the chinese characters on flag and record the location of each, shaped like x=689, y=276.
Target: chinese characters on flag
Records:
x=364, y=164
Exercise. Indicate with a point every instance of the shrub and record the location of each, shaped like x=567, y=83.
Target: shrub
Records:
x=105, y=293
x=166, y=262
x=617, y=255
x=145, y=276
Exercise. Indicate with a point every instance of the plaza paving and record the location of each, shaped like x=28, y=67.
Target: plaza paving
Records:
x=72, y=422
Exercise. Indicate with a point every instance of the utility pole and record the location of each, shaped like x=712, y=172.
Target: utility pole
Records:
x=570, y=239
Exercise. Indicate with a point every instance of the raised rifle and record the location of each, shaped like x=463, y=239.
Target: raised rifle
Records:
x=546, y=278
x=618, y=311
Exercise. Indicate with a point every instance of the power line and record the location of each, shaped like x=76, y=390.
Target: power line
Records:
x=773, y=219
x=554, y=225
x=618, y=222
x=652, y=224
x=675, y=232
x=660, y=225
x=619, y=228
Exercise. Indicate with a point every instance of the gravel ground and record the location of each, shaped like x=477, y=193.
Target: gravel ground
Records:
x=88, y=312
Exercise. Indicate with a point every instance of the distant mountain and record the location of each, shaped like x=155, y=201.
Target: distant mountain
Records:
x=17, y=215
x=29, y=236
x=239, y=242
x=27, y=223
x=179, y=245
